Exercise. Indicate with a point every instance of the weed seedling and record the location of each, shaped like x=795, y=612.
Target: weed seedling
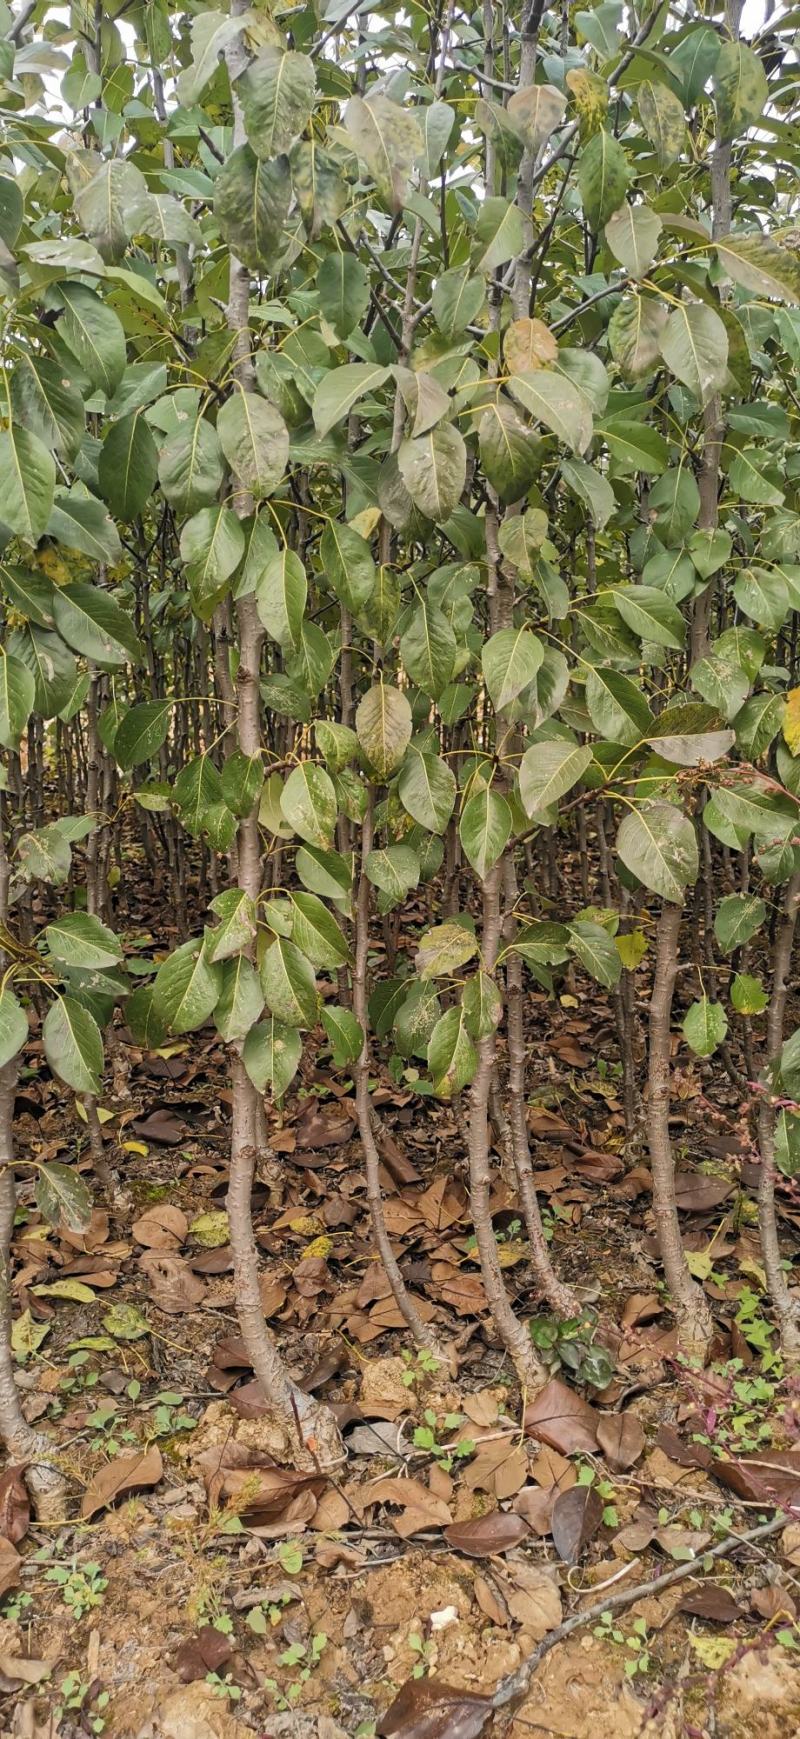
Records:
x=81, y=1697
x=635, y=1643
x=427, y=1437
x=306, y=1657
x=82, y=1586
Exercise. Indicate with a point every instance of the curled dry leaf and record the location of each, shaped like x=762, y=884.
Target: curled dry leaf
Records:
x=175, y=1288
x=24, y=1672
x=773, y=1602
x=621, y=1439
x=124, y=1474
x=162, y=1227
x=487, y=1535
x=577, y=1515
x=10, y=1565
x=713, y=1603
x=759, y=1478
x=431, y=1709
x=561, y=1418
x=203, y=1653
x=532, y=1597
x=15, y=1506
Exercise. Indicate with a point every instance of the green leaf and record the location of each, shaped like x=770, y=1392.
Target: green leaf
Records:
x=281, y=595
x=387, y=139
x=94, y=335
x=187, y=988
x=347, y=564
x=277, y=96
x=557, y=402
x=484, y=830
x=13, y=1026
x=141, y=733
x=73, y=1045
x=341, y=388
x=255, y=441
x=452, y=1058
x=345, y=1034
x=603, y=176
x=271, y=1056
x=212, y=545
x=240, y=1001
x=657, y=843
x=289, y=985
x=251, y=205
x=509, y=452
x=482, y=1005
x=634, y=446
x=633, y=235
x=316, y=933
x=457, y=300
x=82, y=523
x=128, y=466
x=47, y=403
x=617, y=707
x=434, y=468
x=597, y=952
x=548, y=770
x=427, y=789
x=705, y=1026
x=650, y=614
x=694, y=345
x=737, y=919
x=499, y=234
x=763, y=595
x=344, y=291
x=634, y=338
x=27, y=483
x=383, y=728
x=61, y=1194
x=443, y=949
x=191, y=467
x=509, y=662
x=308, y=803
x=748, y=995
x=237, y=926
x=78, y=939
x=428, y=650
x=663, y=120
x=592, y=488
x=242, y=782
x=395, y=869
x=211, y=32
x=757, y=262
x=17, y=696
x=740, y=89
x=94, y=624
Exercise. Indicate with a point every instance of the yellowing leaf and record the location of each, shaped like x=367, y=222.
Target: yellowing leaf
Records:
x=713, y=1651
x=76, y=1290
x=210, y=1230
x=27, y=1335
x=632, y=948
x=791, y=721
x=139, y=1147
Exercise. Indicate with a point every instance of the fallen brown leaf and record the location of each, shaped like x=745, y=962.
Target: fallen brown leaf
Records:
x=560, y=1417
x=431, y=1709
x=577, y=1515
x=174, y=1287
x=621, y=1439
x=15, y=1505
x=487, y=1535
x=162, y=1227
x=124, y=1474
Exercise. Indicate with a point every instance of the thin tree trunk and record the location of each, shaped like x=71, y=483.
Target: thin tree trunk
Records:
x=693, y=1316
x=786, y=1304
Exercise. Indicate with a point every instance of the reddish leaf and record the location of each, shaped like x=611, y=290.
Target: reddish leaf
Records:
x=325, y=1125
x=487, y=1535
x=161, y=1126
x=760, y=1478
x=577, y=1515
x=201, y=1654
x=162, y=1227
x=621, y=1439
x=124, y=1474
x=713, y=1603
x=559, y=1417
x=15, y=1507
x=430, y=1709
x=10, y=1565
